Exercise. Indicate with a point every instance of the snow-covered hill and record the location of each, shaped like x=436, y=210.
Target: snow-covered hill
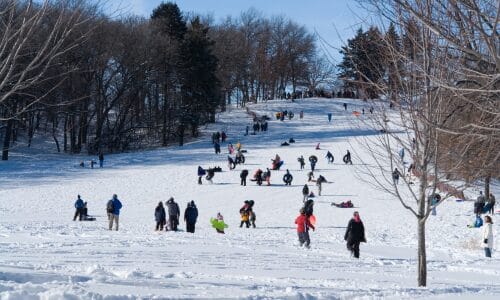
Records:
x=44, y=254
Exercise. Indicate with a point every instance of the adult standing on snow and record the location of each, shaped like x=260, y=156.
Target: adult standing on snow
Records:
x=319, y=183
x=160, y=217
x=355, y=234
x=190, y=216
x=301, y=161
x=305, y=192
x=487, y=241
x=79, y=208
x=479, y=204
x=113, y=208
x=313, y=160
x=173, y=213
x=329, y=117
x=491, y=203
x=303, y=225
x=101, y=159
x=201, y=173
x=243, y=177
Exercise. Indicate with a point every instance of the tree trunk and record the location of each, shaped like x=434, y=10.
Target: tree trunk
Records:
x=422, y=256
x=6, y=140
x=487, y=187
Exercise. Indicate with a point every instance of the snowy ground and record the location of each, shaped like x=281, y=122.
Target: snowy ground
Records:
x=45, y=255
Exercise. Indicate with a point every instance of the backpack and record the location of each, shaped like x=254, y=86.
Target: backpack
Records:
x=110, y=208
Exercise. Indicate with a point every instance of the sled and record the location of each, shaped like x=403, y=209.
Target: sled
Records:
x=312, y=219
x=218, y=224
x=356, y=113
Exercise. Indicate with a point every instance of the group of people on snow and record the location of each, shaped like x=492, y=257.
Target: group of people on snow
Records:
x=190, y=216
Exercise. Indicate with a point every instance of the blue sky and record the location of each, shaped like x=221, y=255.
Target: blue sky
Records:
x=333, y=20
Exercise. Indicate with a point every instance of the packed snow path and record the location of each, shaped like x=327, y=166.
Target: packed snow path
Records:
x=44, y=254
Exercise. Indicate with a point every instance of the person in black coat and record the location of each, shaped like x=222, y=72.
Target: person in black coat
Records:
x=201, y=173
x=190, y=216
x=173, y=213
x=243, y=176
x=305, y=192
x=287, y=178
x=355, y=234
x=160, y=217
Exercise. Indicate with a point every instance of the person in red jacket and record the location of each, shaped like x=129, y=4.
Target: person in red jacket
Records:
x=303, y=225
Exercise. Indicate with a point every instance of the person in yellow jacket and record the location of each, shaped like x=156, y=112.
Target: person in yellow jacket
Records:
x=238, y=146
x=245, y=218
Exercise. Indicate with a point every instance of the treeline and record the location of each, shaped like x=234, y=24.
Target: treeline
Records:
x=442, y=68
x=95, y=83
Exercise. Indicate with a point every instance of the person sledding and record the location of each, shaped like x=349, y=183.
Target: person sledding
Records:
x=240, y=158
x=347, y=158
x=85, y=213
x=303, y=225
x=301, y=161
x=317, y=146
x=201, y=173
x=285, y=143
x=291, y=141
x=210, y=175
x=287, y=178
x=330, y=157
x=257, y=176
x=478, y=222
x=230, y=163
x=313, y=159
x=345, y=204
x=276, y=162
x=218, y=223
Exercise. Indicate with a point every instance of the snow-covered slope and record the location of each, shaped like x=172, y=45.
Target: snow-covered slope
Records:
x=44, y=254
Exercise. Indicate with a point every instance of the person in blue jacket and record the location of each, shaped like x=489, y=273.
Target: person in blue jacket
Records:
x=201, y=173
x=113, y=207
x=190, y=216
x=79, y=208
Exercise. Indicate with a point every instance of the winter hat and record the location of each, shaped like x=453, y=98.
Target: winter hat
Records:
x=192, y=203
x=356, y=217
x=115, y=196
x=171, y=199
x=78, y=196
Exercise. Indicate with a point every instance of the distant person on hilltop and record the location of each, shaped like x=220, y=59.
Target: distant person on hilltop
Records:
x=101, y=159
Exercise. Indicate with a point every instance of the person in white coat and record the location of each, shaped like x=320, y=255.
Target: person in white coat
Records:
x=487, y=242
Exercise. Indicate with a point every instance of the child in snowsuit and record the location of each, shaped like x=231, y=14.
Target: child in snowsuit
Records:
x=303, y=225
x=210, y=175
x=245, y=218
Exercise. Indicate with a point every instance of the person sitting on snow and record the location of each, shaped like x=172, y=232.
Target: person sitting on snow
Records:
x=477, y=223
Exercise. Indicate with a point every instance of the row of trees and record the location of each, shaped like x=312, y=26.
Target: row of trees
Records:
x=438, y=64
x=95, y=83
